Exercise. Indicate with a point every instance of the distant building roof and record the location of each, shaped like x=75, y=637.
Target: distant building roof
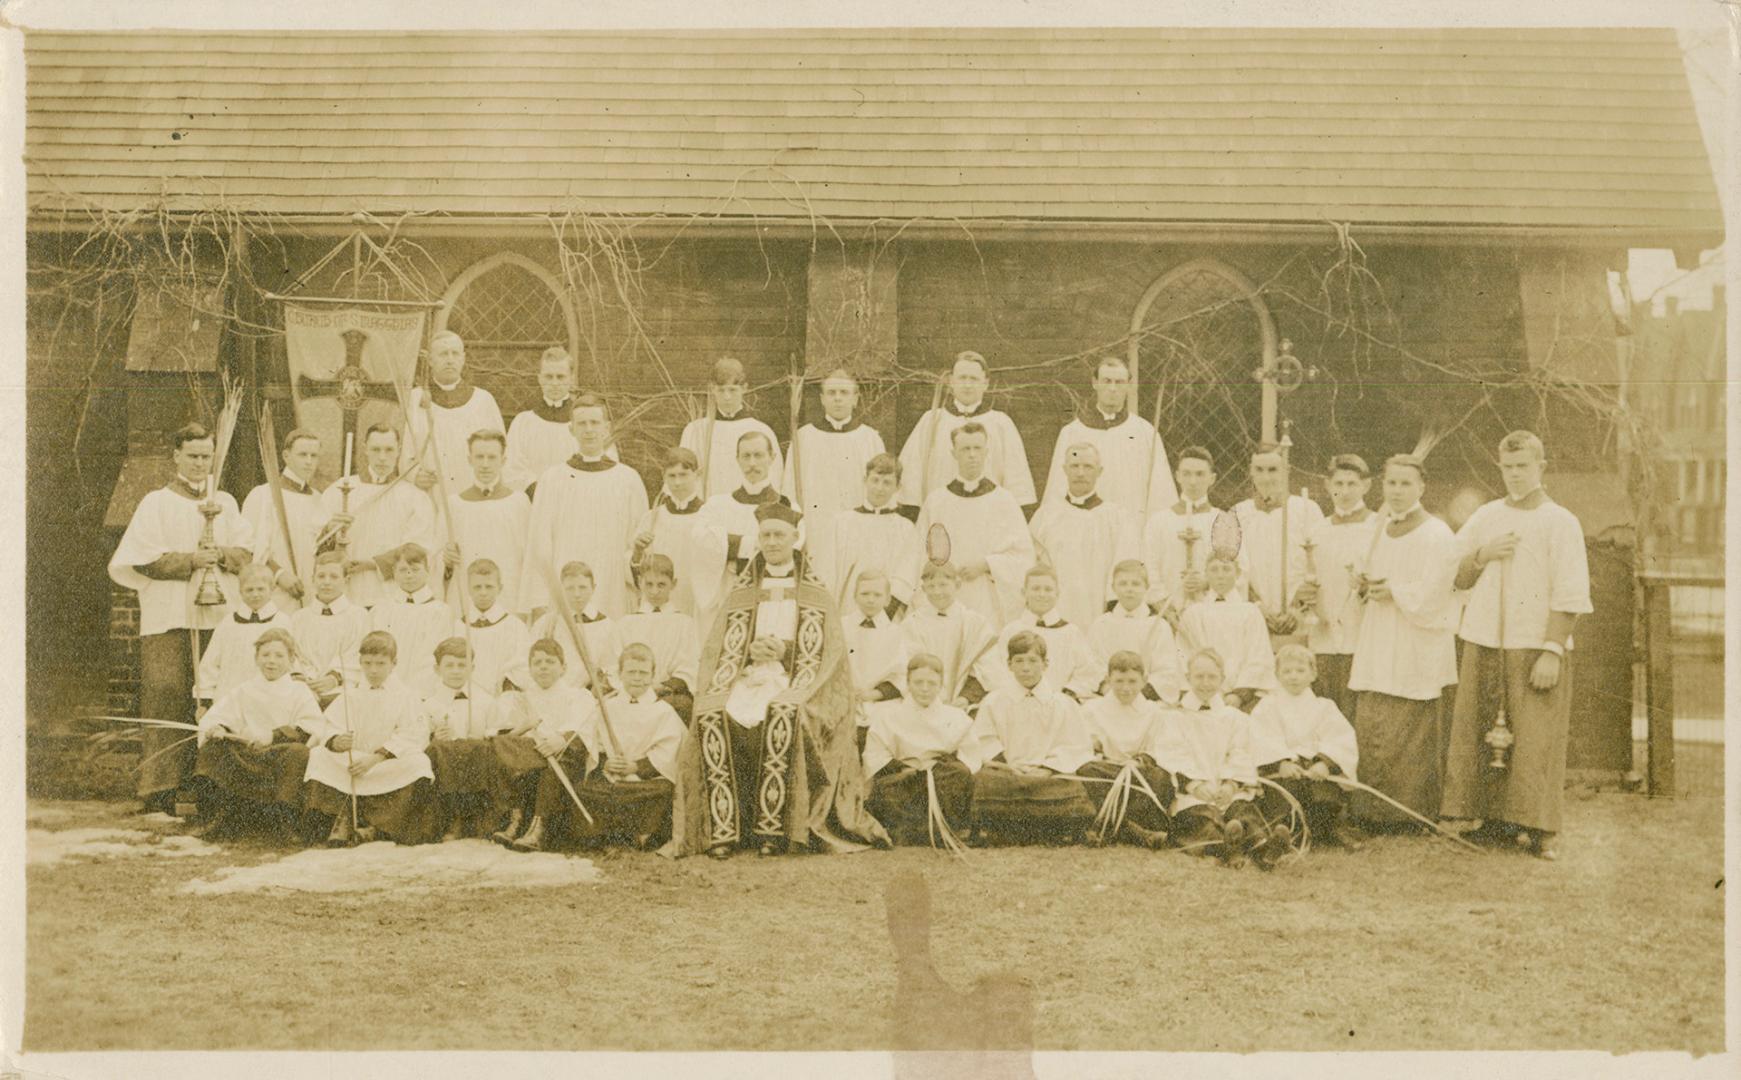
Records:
x=1555, y=129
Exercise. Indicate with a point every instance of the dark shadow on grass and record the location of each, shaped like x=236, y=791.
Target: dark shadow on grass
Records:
x=935, y=1030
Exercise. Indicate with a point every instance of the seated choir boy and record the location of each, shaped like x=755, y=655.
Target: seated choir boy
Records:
x=1025, y=744
x=875, y=646
x=252, y=745
x=905, y=740
x=1205, y=744
x=627, y=791
x=499, y=638
x=369, y=754
x=1299, y=741
x=950, y=630
x=1235, y=629
x=329, y=628
x=602, y=642
x=1122, y=727
x=550, y=703
x=1130, y=625
x=669, y=632
x=412, y=613
x=228, y=660
x=1072, y=667
x=461, y=715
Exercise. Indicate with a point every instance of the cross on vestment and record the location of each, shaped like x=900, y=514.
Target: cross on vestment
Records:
x=350, y=385
x=776, y=593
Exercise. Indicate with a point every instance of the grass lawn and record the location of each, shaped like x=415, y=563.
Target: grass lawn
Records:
x=1409, y=944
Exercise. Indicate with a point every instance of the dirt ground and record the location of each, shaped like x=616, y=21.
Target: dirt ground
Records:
x=1409, y=944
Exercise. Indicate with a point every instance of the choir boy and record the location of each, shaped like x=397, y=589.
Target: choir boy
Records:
x=305, y=516
x=1122, y=727
x=1082, y=535
x=1072, y=668
x=628, y=785
x=387, y=512
x=731, y=514
x=925, y=458
x=498, y=638
x=1175, y=542
x=875, y=535
x=1235, y=629
x=1132, y=626
x=328, y=630
x=370, y=752
x=412, y=614
x=253, y=743
x=1027, y=742
x=875, y=645
x=461, y=716
x=548, y=702
x=1338, y=549
x=599, y=630
x=908, y=738
x=1299, y=741
x=228, y=661
x=675, y=529
x=714, y=439
x=1260, y=524
x=668, y=632
x=827, y=459
x=1206, y=744
x=941, y=625
x=490, y=519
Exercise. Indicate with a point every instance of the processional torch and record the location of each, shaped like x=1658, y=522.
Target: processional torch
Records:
x=1308, y=612
x=209, y=592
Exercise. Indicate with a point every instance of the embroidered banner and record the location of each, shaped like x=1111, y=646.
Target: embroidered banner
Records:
x=341, y=372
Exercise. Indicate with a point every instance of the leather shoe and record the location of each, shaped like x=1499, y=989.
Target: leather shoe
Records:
x=342, y=835
x=720, y=852
x=532, y=839
x=505, y=835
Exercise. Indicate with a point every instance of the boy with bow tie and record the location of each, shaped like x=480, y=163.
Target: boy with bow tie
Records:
x=1234, y=629
x=228, y=661
x=412, y=614
x=498, y=638
x=329, y=628
x=668, y=633
x=875, y=535
x=1072, y=667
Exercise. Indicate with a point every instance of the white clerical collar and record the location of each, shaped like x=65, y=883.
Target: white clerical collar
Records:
x=643, y=698
x=648, y=608
x=190, y=485
x=486, y=490
x=880, y=619
x=1138, y=612
x=1051, y=620
x=758, y=487
x=483, y=620
x=592, y=459
x=1196, y=507
x=1079, y=501
x=1190, y=702
x=590, y=613
x=1410, y=512
x=378, y=478
x=558, y=403
x=421, y=596
x=838, y=425
x=1109, y=417
x=290, y=475
x=780, y=571
x=337, y=605
x=270, y=611
x=450, y=388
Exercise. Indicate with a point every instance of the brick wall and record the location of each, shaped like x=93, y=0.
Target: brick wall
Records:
x=123, y=682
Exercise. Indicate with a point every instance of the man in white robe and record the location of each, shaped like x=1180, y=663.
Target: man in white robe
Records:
x=540, y=437
x=163, y=556
x=457, y=408
x=585, y=509
x=1082, y=536
x=825, y=464
x=730, y=516
x=490, y=519
x=1404, y=653
x=1128, y=445
x=1336, y=551
x=714, y=438
x=1261, y=528
x=1176, y=538
x=927, y=456
x=306, y=514
x=387, y=511
x=1523, y=555
x=987, y=536
x=875, y=536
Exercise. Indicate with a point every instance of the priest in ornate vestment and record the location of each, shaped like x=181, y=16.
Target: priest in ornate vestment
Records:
x=771, y=760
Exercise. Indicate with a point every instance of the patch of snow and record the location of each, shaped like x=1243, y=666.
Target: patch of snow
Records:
x=383, y=865
x=43, y=847
x=160, y=818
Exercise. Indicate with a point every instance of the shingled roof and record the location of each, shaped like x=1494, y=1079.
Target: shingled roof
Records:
x=1568, y=130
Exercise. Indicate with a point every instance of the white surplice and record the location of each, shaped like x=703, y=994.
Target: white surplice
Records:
x=305, y=514
x=1235, y=629
x=1406, y=645
x=925, y=471
x=500, y=643
x=1071, y=663
x=453, y=426
x=1549, y=571
x=389, y=512
x=832, y=457
x=900, y=730
x=388, y=717
x=1148, y=635
x=587, y=513
x=960, y=637
x=254, y=708
x=1164, y=550
x=228, y=660
x=1029, y=727
x=852, y=542
x=328, y=635
x=1287, y=726
x=1261, y=540
x=168, y=522
x=1083, y=540
x=493, y=528
x=719, y=465
x=672, y=636
x=1130, y=454
x=984, y=523
x=1338, y=550
x=418, y=622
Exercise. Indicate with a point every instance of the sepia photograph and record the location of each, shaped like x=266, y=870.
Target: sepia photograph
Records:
x=987, y=537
